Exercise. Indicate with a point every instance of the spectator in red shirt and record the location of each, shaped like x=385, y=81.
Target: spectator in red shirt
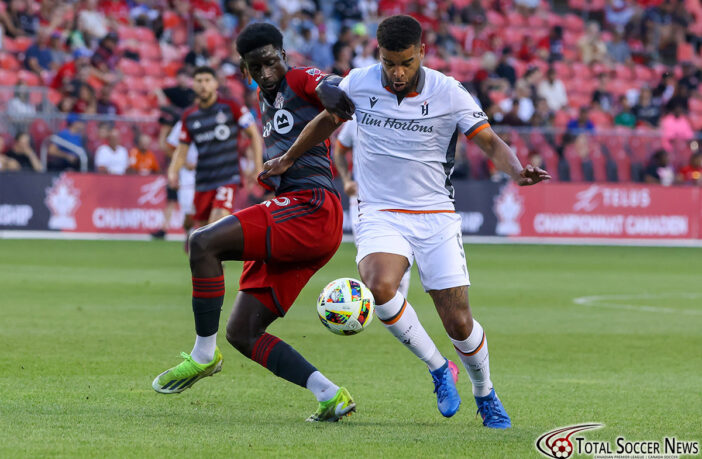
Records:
x=692, y=173
x=69, y=70
x=117, y=10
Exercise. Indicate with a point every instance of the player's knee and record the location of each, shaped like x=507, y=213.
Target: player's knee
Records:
x=241, y=341
x=459, y=329
x=382, y=287
x=199, y=242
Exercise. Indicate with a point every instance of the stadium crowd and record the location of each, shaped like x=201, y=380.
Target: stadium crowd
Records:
x=591, y=90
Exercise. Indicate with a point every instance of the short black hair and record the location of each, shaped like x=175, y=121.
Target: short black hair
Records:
x=257, y=35
x=397, y=33
x=205, y=69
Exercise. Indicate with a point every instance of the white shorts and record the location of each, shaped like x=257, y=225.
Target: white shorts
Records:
x=434, y=240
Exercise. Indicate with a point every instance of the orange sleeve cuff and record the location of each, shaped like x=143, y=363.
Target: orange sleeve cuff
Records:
x=480, y=128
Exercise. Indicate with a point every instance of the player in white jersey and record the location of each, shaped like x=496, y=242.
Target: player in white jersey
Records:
x=343, y=147
x=186, y=185
x=186, y=176
x=409, y=119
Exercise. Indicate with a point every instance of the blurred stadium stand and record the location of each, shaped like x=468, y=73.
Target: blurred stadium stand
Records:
x=609, y=48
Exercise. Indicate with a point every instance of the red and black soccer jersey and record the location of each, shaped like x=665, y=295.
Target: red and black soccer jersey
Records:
x=215, y=130
x=295, y=105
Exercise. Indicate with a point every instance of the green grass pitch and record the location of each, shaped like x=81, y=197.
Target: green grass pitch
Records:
x=576, y=334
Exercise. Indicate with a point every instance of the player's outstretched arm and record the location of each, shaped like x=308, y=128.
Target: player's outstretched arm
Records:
x=316, y=131
x=506, y=161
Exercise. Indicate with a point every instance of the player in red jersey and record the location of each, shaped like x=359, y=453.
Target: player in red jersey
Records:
x=213, y=125
x=283, y=241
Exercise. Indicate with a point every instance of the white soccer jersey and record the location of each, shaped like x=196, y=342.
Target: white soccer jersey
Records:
x=404, y=152
x=186, y=176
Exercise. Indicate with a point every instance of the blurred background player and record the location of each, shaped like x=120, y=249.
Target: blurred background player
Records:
x=409, y=118
x=184, y=195
x=283, y=241
x=343, y=151
x=213, y=125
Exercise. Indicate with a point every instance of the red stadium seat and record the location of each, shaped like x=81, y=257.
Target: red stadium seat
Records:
x=644, y=74
x=581, y=70
x=130, y=67
x=696, y=121
x=215, y=41
x=22, y=43
x=136, y=84
x=601, y=119
x=138, y=101
x=54, y=96
x=623, y=72
x=30, y=78
x=620, y=87
x=171, y=19
x=515, y=19
x=695, y=105
x=150, y=51
x=495, y=19
x=563, y=71
x=9, y=62
x=573, y=23
x=38, y=131
x=436, y=63
x=8, y=78
x=152, y=69
x=144, y=35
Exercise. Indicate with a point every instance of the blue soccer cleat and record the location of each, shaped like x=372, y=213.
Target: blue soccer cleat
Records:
x=447, y=397
x=493, y=413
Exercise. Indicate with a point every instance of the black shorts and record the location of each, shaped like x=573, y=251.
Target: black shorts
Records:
x=171, y=194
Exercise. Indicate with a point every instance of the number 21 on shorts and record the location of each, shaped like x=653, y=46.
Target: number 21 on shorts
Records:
x=225, y=195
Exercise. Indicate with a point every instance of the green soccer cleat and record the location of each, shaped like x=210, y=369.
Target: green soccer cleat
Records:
x=186, y=373
x=332, y=410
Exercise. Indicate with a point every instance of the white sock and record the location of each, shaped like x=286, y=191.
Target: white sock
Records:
x=404, y=283
x=204, y=349
x=473, y=352
x=401, y=320
x=321, y=387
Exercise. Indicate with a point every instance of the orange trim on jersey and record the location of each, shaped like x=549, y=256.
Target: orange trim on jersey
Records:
x=472, y=134
x=339, y=145
x=412, y=94
x=482, y=342
x=403, y=211
x=396, y=317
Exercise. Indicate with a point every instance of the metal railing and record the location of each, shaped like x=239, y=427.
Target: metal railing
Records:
x=63, y=143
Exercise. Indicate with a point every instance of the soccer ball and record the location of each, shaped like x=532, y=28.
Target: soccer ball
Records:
x=345, y=306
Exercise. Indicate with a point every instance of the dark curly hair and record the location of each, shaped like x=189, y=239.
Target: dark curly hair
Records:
x=258, y=35
x=397, y=33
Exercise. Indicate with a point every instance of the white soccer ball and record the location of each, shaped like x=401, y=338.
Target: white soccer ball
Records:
x=345, y=306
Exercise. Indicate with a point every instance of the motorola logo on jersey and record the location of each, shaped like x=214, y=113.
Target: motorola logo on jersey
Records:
x=283, y=121
x=221, y=132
